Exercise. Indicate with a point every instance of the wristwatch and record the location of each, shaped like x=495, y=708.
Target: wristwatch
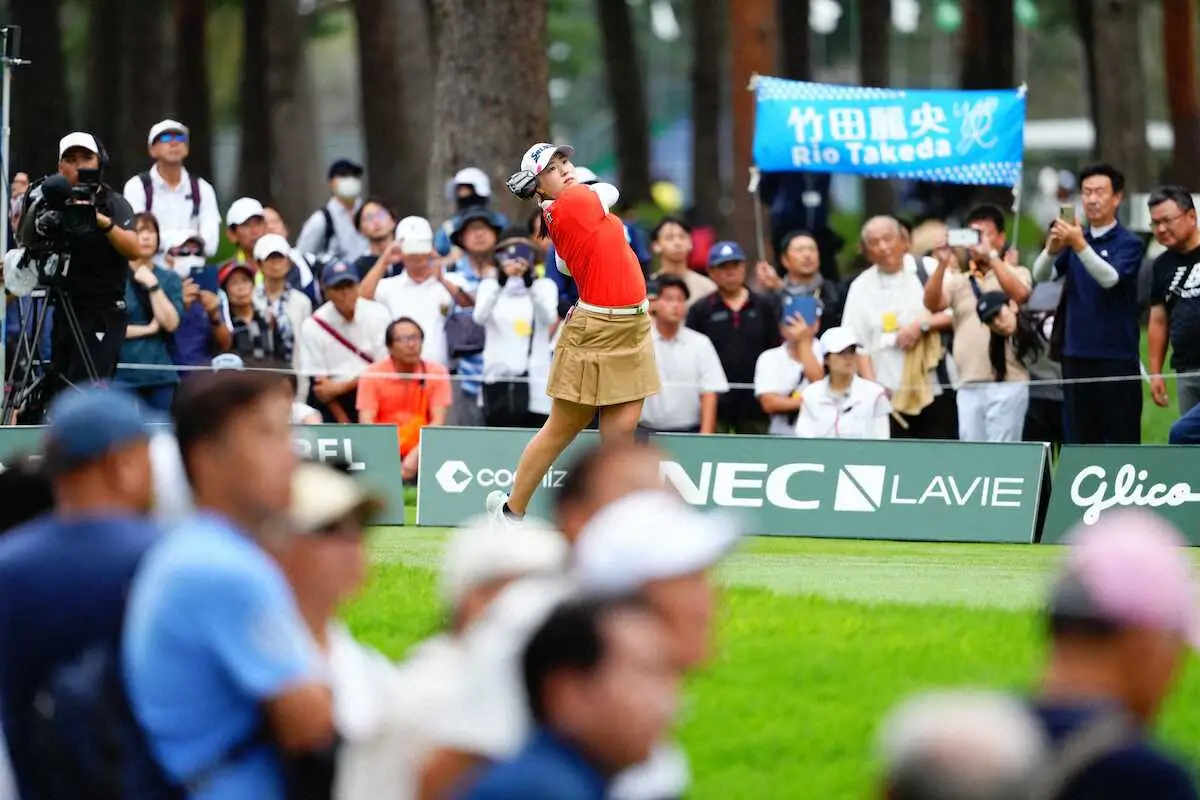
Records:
x=925, y=326
x=152, y=289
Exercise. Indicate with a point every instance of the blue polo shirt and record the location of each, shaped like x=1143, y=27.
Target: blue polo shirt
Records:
x=1136, y=769
x=1103, y=323
x=63, y=586
x=549, y=768
x=212, y=632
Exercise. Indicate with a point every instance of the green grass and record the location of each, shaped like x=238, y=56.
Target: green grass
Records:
x=817, y=639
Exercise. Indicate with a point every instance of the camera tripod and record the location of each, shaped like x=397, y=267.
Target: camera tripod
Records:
x=32, y=377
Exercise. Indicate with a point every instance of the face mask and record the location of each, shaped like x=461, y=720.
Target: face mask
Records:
x=347, y=187
x=183, y=265
x=470, y=201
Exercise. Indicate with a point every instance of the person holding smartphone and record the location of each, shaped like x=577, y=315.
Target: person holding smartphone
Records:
x=782, y=373
x=990, y=408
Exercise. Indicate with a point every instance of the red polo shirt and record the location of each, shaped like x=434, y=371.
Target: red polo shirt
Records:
x=592, y=242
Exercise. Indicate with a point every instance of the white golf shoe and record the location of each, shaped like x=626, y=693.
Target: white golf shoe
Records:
x=495, y=511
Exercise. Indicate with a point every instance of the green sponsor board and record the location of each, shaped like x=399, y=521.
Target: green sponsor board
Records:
x=1090, y=481
x=907, y=490
x=372, y=451
x=939, y=491
x=460, y=466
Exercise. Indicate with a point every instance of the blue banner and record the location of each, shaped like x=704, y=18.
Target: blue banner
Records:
x=973, y=137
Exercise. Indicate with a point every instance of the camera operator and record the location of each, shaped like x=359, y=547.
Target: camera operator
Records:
x=100, y=242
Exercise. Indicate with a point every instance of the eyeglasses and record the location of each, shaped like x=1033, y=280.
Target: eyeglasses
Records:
x=163, y=138
x=1165, y=221
x=407, y=338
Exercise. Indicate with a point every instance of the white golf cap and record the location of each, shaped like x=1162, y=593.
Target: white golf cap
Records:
x=650, y=536
x=269, y=244
x=585, y=175
x=243, y=208
x=77, y=139
x=538, y=157
x=415, y=235
x=476, y=179
x=477, y=554
x=323, y=495
x=838, y=340
x=165, y=126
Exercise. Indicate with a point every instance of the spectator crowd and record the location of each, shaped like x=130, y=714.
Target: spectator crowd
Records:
x=392, y=319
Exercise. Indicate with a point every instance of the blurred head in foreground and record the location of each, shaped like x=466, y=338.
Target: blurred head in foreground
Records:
x=477, y=564
x=653, y=543
x=960, y=745
x=1122, y=613
x=600, y=476
x=598, y=674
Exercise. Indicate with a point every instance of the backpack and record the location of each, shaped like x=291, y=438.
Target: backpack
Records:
x=148, y=186
x=82, y=739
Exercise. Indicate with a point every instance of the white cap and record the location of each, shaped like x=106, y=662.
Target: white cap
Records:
x=271, y=243
x=477, y=555
x=475, y=178
x=164, y=126
x=650, y=536
x=175, y=237
x=243, y=209
x=77, y=139
x=415, y=235
x=323, y=495
x=538, y=157
x=585, y=175
x=837, y=340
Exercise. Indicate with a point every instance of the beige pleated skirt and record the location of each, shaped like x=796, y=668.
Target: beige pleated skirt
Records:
x=603, y=360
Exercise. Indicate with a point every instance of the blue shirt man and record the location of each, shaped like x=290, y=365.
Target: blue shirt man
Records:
x=212, y=632
x=1100, y=304
x=64, y=577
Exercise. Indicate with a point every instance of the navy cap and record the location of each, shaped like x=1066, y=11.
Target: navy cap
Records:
x=725, y=253
x=345, y=167
x=339, y=273
x=471, y=215
x=989, y=305
x=88, y=424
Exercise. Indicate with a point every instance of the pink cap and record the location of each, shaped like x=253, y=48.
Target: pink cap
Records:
x=1130, y=568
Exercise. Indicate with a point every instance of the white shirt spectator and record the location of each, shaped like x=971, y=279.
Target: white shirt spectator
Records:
x=172, y=207
x=861, y=413
x=427, y=302
x=509, y=315
x=689, y=366
x=877, y=300
x=346, y=243
x=776, y=372
x=323, y=355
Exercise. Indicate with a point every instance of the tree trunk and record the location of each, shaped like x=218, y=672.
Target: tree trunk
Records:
x=1179, y=55
x=488, y=117
x=254, y=160
x=193, y=95
x=39, y=89
x=416, y=64
x=1119, y=113
x=753, y=33
x=627, y=95
x=987, y=49
x=874, y=53
x=795, y=40
x=395, y=162
x=708, y=45
x=103, y=104
x=296, y=169
x=143, y=61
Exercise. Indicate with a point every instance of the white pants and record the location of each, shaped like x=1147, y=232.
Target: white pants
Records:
x=992, y=412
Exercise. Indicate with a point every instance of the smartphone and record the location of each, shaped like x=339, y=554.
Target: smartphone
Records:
x=804, y=306
x=962, y=237
x=205, y=278
x=1066, y=212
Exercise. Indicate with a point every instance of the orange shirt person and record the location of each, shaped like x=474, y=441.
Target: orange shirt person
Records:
x=604, y=357
x=410, y=403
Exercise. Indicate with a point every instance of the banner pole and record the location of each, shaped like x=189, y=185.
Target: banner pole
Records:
x=758, y=214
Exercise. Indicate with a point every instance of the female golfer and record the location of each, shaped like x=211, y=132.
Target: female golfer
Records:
x=604, y=359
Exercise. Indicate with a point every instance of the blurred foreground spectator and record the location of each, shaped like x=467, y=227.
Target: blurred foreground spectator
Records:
x=222, y=672
x=961, y=745
x=26, y=491
x=1122, y=617
x=64, y=577
x=601, y=689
